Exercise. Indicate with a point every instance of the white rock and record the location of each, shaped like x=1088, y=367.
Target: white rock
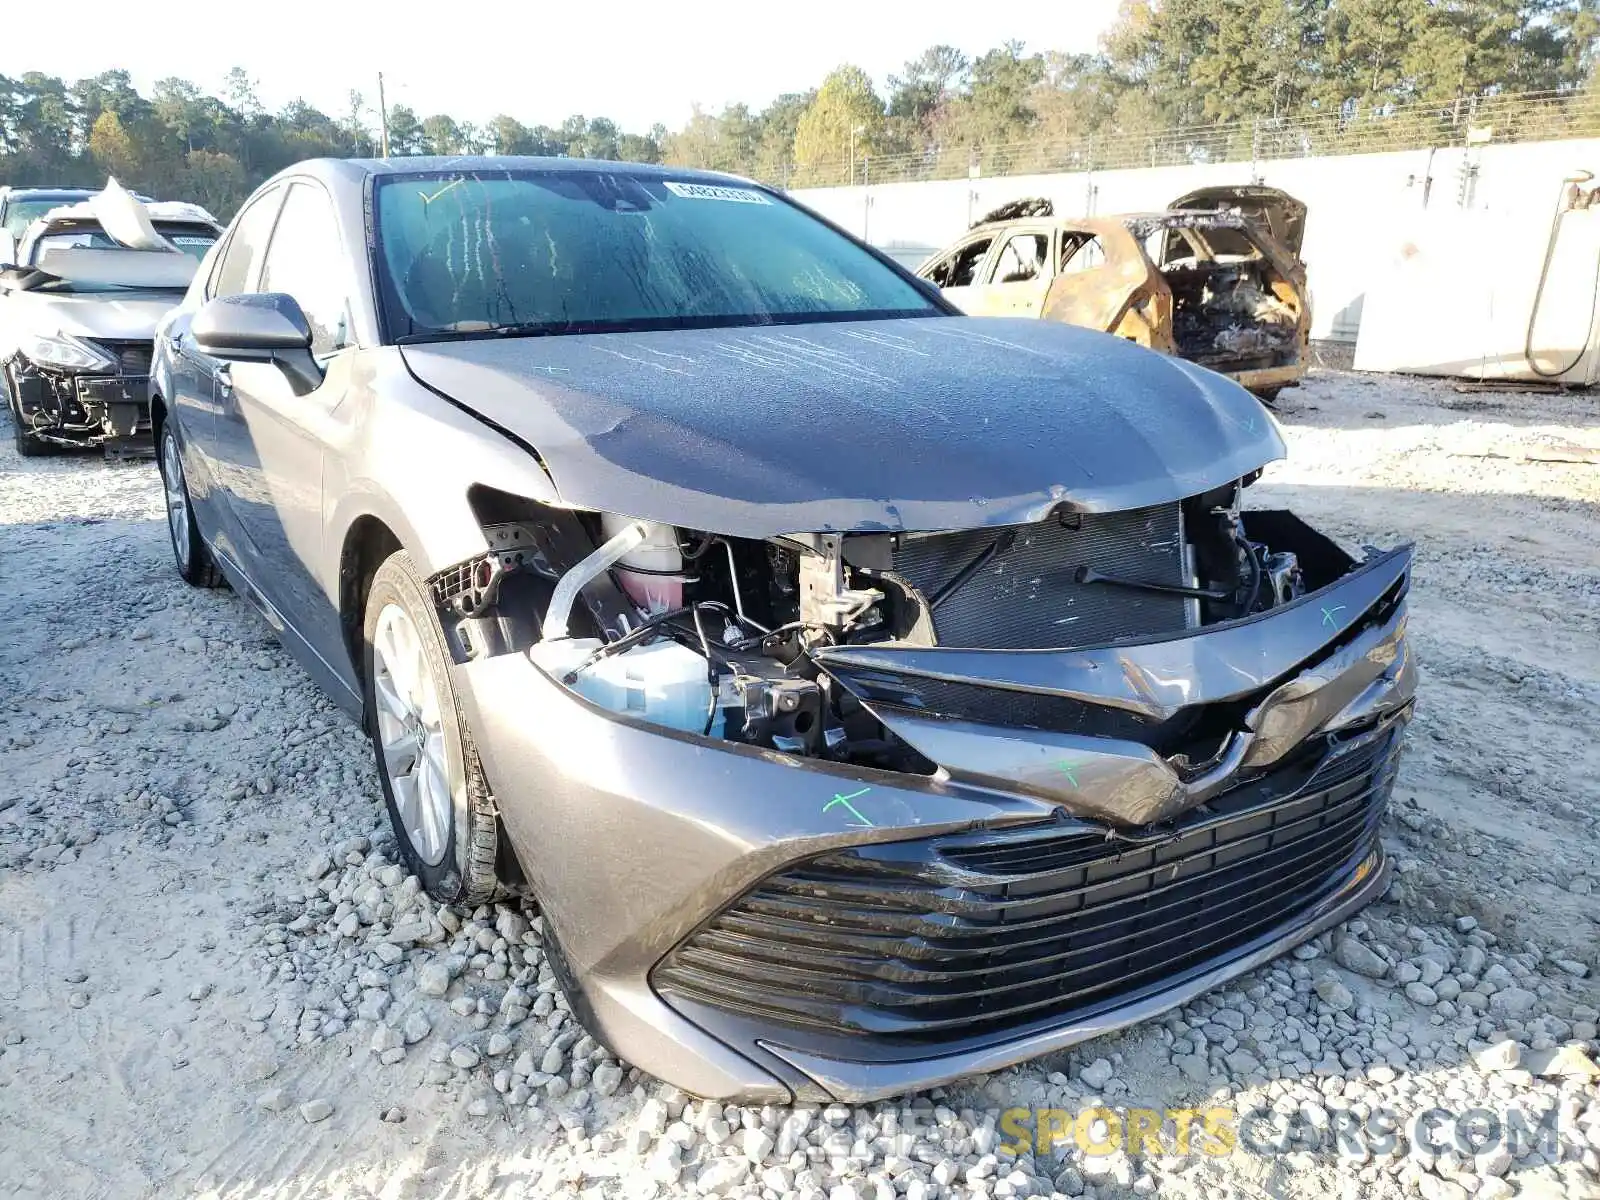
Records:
x=275, y=1100
x=1097, y=1074
x=433, y=979
x=316, y=1110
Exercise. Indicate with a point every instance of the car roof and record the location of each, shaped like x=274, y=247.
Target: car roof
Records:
x=356, y=170
x=48, y=193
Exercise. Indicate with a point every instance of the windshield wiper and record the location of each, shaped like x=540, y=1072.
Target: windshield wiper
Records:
x=516, y=329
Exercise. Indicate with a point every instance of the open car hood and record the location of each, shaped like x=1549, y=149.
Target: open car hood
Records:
x=925, y=423
x=1279, y=213
x=120, y=268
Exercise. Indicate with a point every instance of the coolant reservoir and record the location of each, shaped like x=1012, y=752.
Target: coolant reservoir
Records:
x=662, y=682
x=657, y=557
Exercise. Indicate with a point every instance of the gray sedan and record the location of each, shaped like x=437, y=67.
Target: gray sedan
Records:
x=868, y=695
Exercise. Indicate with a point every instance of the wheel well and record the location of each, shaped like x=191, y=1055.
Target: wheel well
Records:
x=158, y=417
x=367, y=543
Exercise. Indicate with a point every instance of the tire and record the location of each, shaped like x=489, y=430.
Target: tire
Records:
x=1267, y=395
x=189, y=550
x=443, y=816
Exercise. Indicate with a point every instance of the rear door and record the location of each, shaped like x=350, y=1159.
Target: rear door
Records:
x=1099, y=272
x=273, y=441
x=197, y=377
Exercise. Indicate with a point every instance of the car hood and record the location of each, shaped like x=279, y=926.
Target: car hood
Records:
x=1279, y=213
x=925, y=423
x=118, y=316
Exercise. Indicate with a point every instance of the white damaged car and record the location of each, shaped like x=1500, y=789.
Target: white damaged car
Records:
x=78, y=313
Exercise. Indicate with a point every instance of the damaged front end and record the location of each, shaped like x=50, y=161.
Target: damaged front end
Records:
x=78, y=392
x=1062, y=775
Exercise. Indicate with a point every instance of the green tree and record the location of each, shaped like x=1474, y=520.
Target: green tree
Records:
x=113, y=149
x=216, y=181
x=846, y=116
x=405, y=132
x=440, y=135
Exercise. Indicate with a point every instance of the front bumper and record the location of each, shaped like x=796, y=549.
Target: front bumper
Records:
x=641, y=843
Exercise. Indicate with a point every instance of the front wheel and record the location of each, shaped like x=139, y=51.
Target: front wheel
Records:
x=433, y=785
x=189, y=549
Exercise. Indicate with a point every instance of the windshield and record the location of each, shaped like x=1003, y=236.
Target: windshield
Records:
x=569, y=251
x=22, y=213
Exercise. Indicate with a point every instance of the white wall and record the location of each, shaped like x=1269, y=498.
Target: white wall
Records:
x=1357, y=204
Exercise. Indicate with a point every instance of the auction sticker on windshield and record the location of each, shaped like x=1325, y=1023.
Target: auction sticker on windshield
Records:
x=709, y=191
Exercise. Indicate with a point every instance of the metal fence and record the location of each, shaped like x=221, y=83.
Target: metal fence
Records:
x=1517, y=117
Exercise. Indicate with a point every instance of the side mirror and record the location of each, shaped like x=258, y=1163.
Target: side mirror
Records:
x=259, y=327
x=251, y=326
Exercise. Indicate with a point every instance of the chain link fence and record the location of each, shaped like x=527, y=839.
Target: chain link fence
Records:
x=1517, y=117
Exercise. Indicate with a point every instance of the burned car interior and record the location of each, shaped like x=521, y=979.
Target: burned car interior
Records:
x=1215, y=280
x=1233, y=308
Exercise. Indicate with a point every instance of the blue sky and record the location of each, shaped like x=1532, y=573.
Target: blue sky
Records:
x=629, y=60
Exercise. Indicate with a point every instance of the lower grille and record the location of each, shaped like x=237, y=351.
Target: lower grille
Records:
x=133, y=358
x=1028, y=596
x=981, y=933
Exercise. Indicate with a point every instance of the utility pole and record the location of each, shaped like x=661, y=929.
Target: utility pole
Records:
x=383, y=118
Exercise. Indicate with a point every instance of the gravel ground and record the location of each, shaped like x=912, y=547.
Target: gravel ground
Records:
x=214, y=981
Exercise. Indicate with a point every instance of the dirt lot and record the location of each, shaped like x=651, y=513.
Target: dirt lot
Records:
x=214, y=982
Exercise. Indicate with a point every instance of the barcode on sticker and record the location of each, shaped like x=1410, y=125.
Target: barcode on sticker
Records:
x=711, y=191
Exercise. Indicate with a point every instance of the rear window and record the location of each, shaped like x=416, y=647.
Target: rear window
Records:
x=22, y=213
x=568, y=251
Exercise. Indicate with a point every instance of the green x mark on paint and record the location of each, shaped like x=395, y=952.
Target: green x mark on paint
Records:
x=1070, y=769
x=850, y=808
x=1329, y=613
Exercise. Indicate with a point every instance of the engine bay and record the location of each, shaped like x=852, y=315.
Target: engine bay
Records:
x=720, y=636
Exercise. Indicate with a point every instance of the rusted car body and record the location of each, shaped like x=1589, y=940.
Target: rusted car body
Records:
x=1216, y=279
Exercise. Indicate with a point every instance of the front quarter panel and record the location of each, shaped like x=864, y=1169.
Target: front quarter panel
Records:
x=407, y=456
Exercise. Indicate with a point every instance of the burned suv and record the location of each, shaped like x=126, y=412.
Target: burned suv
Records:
x=1215, y=279
x=867, y=694
x=78, y=313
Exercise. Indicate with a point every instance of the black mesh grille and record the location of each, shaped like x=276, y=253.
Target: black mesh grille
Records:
x=1028, y=596
x=977, y=934
x=133, y=358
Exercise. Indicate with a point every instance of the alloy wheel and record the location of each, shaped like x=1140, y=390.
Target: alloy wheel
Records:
x=411, y=734
x=177, y=497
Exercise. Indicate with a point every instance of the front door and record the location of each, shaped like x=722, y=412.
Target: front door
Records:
x=1016, y=277
x=273, y=441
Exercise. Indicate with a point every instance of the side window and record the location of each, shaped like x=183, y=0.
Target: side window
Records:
x=304, y=261
x=1025, y=257
x=1081, y=252
x=244, y=248
x=960, y=268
